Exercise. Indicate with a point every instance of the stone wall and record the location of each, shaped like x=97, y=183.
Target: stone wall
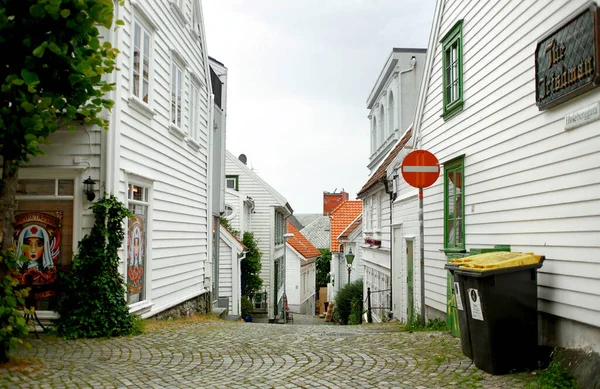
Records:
x=198, y=305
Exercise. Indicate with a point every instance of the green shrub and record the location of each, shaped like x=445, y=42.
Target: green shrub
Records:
x=247, y=307
x=355, y=312
x=12, y=324
x=555, y=376
x=344, y=299
x=95, y=304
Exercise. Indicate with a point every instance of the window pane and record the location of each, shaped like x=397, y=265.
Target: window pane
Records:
x=136, y=253
x=136, y=60
x=66, y=188
x=36, y=187
x=137, y=193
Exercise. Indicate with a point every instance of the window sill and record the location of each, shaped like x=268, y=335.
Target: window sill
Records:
x=193, y=143
x=195, y=34
x=174, y=130
x=140, y=306
x=453, y=110
x=378, y=231
x=453, y=250
x=141, y=107
x=178, y=12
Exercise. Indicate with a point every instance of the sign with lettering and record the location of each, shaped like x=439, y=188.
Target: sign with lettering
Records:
x=582, y=117
x=567, y=59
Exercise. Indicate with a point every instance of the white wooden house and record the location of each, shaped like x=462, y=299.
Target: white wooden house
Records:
x=267, y=214
x=392, y=103
x=154, y=158
x=218, y=130
x=509, y=106
x=301, y=272
x=231, y=252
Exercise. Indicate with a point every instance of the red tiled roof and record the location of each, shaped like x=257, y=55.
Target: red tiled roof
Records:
x=349, y=230
x=301, y=244
x=380, y=175
x=341, y=217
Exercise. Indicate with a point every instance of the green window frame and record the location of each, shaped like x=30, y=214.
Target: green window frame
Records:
x=454, y=205
x=452, y=70
x=236, y=179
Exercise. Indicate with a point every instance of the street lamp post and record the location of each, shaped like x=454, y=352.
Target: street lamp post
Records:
x=349, y=260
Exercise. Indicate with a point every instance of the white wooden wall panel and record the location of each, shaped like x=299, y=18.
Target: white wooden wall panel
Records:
x=528, y=183
x=178, y=171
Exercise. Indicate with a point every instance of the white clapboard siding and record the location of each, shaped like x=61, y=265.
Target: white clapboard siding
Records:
x=265, y=200
x=293, y=278
x=226, y=273
x=175, y=169
x=528, y=182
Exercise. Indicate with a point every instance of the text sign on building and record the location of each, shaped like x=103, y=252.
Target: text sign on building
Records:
x=566, y=59
x=582, y=117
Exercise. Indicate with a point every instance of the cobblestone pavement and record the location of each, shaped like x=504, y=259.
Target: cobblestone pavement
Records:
x=253, y=355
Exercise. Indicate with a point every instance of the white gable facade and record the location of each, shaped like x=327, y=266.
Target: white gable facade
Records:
x=154, y=158
x=268, y=226
x=517, y=169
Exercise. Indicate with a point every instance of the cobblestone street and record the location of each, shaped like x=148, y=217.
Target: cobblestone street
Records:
x=253, y=355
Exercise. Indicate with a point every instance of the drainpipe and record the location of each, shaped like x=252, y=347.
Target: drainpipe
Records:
x=390, y=191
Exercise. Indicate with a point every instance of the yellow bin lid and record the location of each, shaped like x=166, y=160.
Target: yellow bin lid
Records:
x=498, y=260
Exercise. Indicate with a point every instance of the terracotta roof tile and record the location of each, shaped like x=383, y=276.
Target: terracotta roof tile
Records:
x=349, y=230
x=341, y=217
x=380, y=175
x=301, y=244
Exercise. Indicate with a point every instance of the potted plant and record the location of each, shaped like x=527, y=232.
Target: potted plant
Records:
x=247, y=309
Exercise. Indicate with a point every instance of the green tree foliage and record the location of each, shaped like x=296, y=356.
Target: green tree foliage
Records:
x=323, y=264
x=12, y=324
x=52, y=74
x=250, y=266
x=344, y=300
x=95, y=305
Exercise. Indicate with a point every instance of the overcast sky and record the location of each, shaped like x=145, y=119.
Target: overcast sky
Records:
x=300, y=72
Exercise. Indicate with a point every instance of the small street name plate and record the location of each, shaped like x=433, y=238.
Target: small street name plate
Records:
x=583, y=116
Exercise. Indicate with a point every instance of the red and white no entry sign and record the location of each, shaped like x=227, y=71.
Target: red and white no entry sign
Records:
x=420, y=169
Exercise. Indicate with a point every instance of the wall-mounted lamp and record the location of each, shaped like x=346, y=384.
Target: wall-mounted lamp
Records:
x=88, y=188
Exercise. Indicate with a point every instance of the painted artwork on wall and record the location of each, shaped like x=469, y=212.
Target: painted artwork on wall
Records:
x=37, y=237
x=135, y=257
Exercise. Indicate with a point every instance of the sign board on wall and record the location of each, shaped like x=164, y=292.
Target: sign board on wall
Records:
x=567, y=59
x=582, y=117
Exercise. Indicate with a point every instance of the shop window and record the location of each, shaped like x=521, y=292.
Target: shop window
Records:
x=43, y=235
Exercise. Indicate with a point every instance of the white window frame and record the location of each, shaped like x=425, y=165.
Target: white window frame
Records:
x=141, y=103
x=235, y=181
x=379, y=211
x=233, y=212
x=194, y=132
x=178, y=8
x=77, y=198
x=176, y=94
x=146, y=304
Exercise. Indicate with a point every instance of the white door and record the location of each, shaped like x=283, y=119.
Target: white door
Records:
x=397, y=268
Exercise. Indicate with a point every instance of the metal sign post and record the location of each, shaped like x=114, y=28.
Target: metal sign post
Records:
x=421, y=169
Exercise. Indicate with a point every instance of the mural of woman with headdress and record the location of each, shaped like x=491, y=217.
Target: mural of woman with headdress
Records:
x=135, y=255
x=38, y=251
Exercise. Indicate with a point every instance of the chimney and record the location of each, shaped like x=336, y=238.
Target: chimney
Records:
x=332, y=200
